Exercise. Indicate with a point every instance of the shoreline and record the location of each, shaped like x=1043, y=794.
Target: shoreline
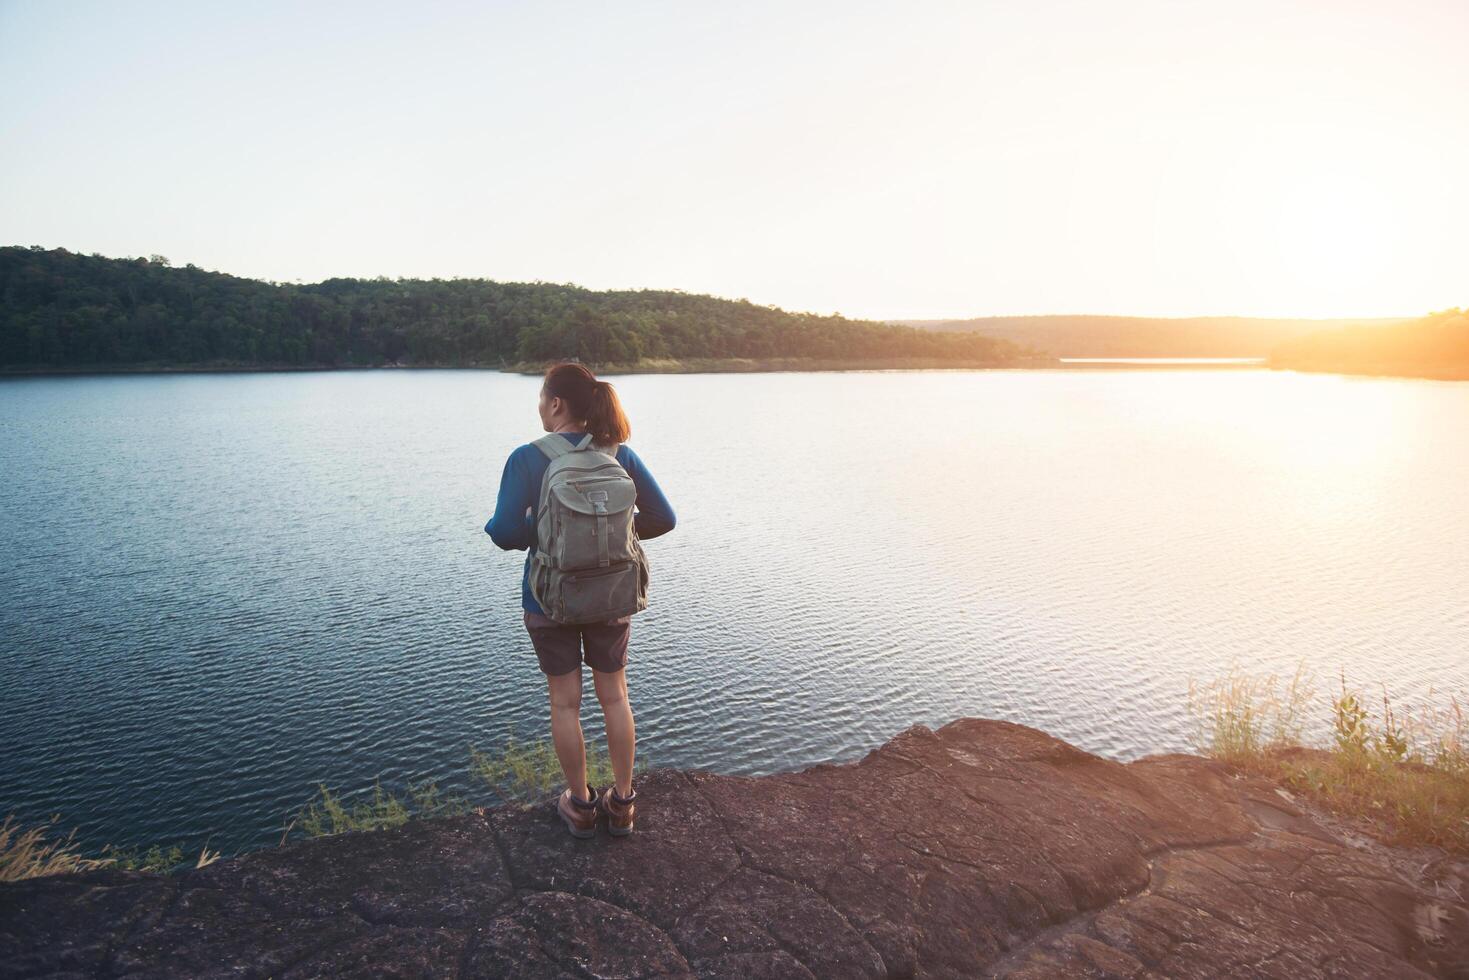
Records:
x=652, y=366
x=660, y=366
x=1404, y=372
x=735, y=875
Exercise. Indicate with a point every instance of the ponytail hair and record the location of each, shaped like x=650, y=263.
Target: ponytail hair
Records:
x=590, y=399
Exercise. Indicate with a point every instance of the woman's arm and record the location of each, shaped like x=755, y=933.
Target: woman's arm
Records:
x=510, y=527
x=655, y=514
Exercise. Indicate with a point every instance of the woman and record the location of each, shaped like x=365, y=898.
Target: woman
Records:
x=574, y=402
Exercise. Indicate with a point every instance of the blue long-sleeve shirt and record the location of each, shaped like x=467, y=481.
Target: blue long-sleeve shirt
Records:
x=520, y=487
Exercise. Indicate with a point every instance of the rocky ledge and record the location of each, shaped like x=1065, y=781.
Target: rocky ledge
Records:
x=982, y=848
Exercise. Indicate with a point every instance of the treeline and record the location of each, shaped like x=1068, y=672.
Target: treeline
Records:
x=62, y=309
x=1140, y=336
x=1436, y=346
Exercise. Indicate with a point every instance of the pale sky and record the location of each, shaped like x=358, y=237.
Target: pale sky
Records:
x=1276, y=158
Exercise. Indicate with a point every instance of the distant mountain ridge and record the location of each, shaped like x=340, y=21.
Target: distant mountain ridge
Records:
x=1086, y=335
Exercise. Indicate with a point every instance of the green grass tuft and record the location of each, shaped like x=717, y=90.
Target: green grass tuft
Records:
x=521, y=772
x=516, y=772
x=1405, y=773
x=327, y=813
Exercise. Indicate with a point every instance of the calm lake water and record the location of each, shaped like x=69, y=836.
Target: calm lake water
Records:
x=1162, y=360
x=220, y=590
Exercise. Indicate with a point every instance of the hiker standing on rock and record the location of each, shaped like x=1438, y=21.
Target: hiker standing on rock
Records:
x=568, y=499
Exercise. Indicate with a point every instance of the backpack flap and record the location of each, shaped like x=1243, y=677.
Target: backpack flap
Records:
x=594, y=516
x=596, y=495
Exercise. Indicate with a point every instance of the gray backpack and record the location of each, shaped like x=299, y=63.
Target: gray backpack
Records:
x=589, y=565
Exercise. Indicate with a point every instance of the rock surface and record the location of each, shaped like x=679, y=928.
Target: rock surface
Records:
x=982, y=848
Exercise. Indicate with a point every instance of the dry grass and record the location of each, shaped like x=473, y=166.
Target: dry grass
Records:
x=29, y=854
x=1406, y=773
x=1242, y=716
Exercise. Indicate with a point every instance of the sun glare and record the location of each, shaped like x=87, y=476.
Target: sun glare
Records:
x=1335, y=233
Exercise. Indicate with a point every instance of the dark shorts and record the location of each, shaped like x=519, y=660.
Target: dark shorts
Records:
x=559, y=646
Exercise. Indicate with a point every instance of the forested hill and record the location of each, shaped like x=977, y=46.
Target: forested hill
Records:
x=61, y=309
x=1436, y=346
x=1141, y=336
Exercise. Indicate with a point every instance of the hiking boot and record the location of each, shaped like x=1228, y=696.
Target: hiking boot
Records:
x=580, y=817
x=620, y=811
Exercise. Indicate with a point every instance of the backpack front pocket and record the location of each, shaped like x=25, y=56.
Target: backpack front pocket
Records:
x=599, y=594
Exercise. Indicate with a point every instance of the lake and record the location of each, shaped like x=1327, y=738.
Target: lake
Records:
x=221, y=589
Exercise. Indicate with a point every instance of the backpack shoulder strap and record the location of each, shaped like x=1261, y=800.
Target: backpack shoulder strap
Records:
x=553, y=445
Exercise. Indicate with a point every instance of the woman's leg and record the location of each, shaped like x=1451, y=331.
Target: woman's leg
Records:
x=621, y=736
x=566, y=734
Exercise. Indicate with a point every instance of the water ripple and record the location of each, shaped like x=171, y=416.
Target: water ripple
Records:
x=222, y=590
